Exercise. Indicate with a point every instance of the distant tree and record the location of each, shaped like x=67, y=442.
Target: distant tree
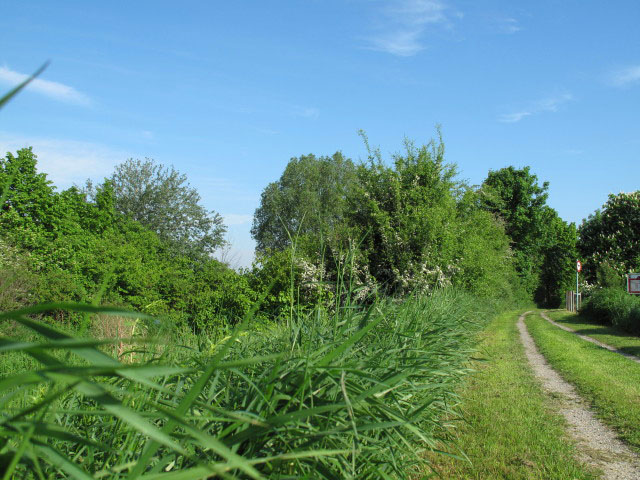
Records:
x=515, y=196
x=609, y=240
x=309, y=199
x=161, y=199
x=543, y=244
x=28, y=196
x=558, y=255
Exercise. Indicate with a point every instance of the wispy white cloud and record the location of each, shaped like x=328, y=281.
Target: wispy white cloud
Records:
x=55, y=90
x=305, y=112
x=508, y=25
x=549, y=104
x=514, y=117
x=625, y=76
x=404, y=23
x=67, y=162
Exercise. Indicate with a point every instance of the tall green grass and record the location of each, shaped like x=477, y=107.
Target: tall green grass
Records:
x=354, y=395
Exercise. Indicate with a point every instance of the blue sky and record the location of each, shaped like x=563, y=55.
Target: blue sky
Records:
x=228, y=92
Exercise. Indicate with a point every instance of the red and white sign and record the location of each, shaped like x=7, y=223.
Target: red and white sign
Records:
x=633, y=283
x=578, y=266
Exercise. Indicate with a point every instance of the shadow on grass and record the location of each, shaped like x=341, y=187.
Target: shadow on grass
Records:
x=578, y=322
x=631, y=350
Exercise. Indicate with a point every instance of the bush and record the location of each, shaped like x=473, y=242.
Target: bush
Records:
x=616, y=307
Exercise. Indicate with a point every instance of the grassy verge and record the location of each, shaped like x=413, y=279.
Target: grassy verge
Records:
x=613, y=336
x=608, y=380
x=359, y=394
x=509, y=430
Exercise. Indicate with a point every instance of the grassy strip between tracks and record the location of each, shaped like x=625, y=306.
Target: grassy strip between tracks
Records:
x=509, y=429
x=625, y=342
x=608, y=380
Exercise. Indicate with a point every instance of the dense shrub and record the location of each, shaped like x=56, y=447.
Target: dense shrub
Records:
x=615, y=307
x=66, y=247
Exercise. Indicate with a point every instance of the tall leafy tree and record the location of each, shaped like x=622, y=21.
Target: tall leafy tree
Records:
x=515, y=195
x=543, y=244
x=161, y=199
x=558, y=255
x=309, y=199
x=609, y=240
x=28, y=196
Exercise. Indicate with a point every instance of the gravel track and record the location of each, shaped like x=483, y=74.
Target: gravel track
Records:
x=597, y=444
x=590, y=339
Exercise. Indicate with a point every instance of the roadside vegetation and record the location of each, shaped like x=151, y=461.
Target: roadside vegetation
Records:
x=358, y=394
x=507, y=428
x=128, y=350
x=614, y=306
x=610, y=382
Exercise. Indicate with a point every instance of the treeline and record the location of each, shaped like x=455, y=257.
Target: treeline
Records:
x=329, y=231
x=125, y=242
x=412, y=225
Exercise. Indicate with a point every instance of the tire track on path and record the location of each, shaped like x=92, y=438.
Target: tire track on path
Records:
x=597, y=444
x=591, y=339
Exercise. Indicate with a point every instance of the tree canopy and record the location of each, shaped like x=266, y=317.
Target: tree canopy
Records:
x=609, y=240
x=161, y=199
x=543, y=244
x=309, y=199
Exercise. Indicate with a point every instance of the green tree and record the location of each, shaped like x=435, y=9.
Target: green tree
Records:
x=309, y=200
x=162, y=200
x=406, y=215
x=29, y=200
x=516, y=197
x=609, y=240
x=543, y=244
x=558, y=252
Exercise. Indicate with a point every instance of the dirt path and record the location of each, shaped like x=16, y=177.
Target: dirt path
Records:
x=597, y=444
x=590, y=339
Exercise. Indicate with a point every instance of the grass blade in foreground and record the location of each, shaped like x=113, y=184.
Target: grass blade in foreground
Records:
x=364, y=404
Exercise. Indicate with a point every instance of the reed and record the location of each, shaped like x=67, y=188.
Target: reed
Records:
x=354, y=395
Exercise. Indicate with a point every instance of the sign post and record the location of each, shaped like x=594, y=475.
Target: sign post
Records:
x=633, y=283
x=578, y=269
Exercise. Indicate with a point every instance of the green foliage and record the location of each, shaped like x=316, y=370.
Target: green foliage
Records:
x=28, y=195
x=70, y=249
x=485, y=261
x=405, y=227
x=543, y=244
x=515, y=196
x=162, y=200
x=354, y=396
x=17, y=283
x=558, y=255
x=276, y=276
x=406, y=215
x=609, y=240
x=614, y=306
x=423, y=229
x=309, y=199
